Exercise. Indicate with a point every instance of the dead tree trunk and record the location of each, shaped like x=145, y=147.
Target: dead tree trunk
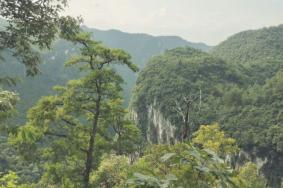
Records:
x=184, y=108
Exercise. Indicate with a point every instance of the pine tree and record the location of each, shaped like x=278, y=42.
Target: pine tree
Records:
x=73, y=123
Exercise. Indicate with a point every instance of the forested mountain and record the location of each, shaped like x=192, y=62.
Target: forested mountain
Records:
x=254, y=45
x=168, y=80
x=197, y=117
x=239, y=86
x=140, y=46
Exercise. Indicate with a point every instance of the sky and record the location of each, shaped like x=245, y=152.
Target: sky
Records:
x=208, y=21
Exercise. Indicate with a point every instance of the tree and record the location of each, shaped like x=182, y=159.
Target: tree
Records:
x=127, y=135
x=184, y=108
x=9, y=180
x=33, y=24
x=73, y=123
x=28, y=26
x=8, y=101
x=113, y=171
x=248, y=177
x=255, y=121
x=180, y=165
x=212, y=138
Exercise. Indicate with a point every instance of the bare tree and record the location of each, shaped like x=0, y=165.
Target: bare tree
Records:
x=185, y=107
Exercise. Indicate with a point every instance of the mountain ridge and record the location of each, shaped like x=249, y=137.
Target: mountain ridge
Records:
x=263, y=44
x=199, y=45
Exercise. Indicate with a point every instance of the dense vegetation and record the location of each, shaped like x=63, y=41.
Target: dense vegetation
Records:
x=140, y=46
x=33, y=25
x=182, y=73
x=72, y=137
x=195, y=119
x=256, y=118
x=244, y=94
x=247, y=46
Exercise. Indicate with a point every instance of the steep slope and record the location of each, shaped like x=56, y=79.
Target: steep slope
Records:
x=168, y=79
x=244, y=94
x=254, y=45
x=254, y=116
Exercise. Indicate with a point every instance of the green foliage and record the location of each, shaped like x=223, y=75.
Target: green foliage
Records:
x=254, y=45
x=140, y=46
x=113, y=171
x=68, y=130
x=33, y=24
x=176, y=74
x=127, y=137
x=9, y=180
x=258, y=112
x=8, y=157
x=256, y=123
x=243, y=94
x=212, y=138
x=11, y=161
x=73, y=132
x=144, y=181
x=8, y=102
x=180, y=165
x=248, y=177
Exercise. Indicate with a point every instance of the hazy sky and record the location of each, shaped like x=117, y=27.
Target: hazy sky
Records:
x=209, y=21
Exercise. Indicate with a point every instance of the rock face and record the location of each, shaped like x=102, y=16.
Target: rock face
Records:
x=163, y=129
x=245, y=156
x=158, y=129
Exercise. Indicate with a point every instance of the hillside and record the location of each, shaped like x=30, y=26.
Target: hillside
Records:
x=168, y=79
x=254, y=45
x=243, y=93
x=140, y=46
x=82, y=107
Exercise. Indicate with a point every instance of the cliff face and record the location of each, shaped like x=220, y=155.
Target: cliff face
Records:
x=158, y=124
x=156, y=128
x=159, y=97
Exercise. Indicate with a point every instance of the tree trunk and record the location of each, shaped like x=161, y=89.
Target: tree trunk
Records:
x=186, y=126
x=119, y=144
x=89, y=157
